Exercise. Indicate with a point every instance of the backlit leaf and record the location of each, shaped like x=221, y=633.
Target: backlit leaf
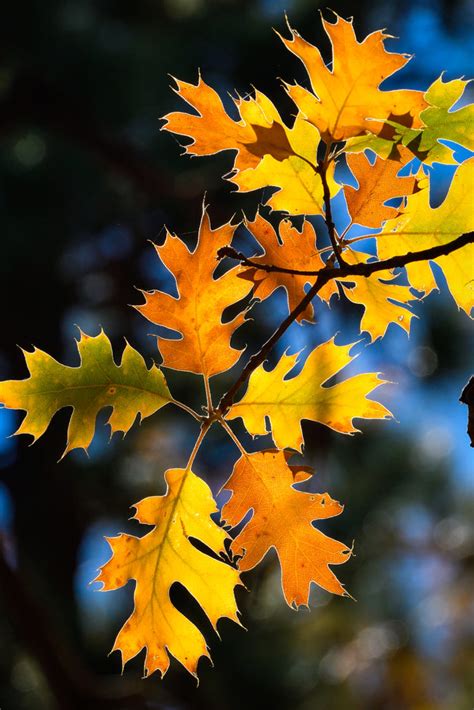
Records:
x=346, y=97
x=204, y=346
x=287, y=401
x=384, y=300
x=419, y=226
x=160, y=558
x=378, y=183
x=282, y=519
x=130, y=388
x=291, y=249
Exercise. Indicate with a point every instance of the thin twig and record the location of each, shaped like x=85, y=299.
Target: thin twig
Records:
x=322, y=172
x=227, y=428
x=357, y=269
x=259, y=357
x=187, y=409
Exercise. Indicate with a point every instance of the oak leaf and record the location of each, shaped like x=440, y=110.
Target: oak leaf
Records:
x=378, y=183
x=300, y=189
x=160, y=558
x=347, y=98
x=282, y=518
x=259, y=131
x=287, y=401
x=130, y=388
x=204, y=346
x=292, y=249
x=419, y=226
x=384, y=300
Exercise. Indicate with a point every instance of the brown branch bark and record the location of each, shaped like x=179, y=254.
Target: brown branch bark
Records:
x=357, y=269
x=322, y=168
x=322, y=277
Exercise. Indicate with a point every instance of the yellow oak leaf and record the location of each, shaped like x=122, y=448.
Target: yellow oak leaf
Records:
x=384, y=303
x=282, y=519
x=347, y=97
x=287, y=401
x=300, y=189
x=292, y=249
x=204, y=346
x=378, y=183
x=419, y=226
x=130, y=388
x=160, y=558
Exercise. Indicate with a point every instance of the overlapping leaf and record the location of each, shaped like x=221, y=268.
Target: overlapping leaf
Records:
x=269, y=153
x=160, y=558
x=440, y=121
x=282, y=519
x=419, y=226
x=291, y=249
x=346, y=97
x=259, y=131
x=384, y=300
x=287, y=401
x=130, y=388
x=204, y=346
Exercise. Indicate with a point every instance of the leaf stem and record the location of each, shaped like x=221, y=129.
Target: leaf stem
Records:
x=187, y=409
x=322, y=171
x=207, y=387
x=236, y=441
x=205, y=426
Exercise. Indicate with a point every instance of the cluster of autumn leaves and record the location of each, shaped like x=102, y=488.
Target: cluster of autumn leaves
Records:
x=342, y=114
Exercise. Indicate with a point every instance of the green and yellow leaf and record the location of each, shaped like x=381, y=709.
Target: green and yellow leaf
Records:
x=131, y=389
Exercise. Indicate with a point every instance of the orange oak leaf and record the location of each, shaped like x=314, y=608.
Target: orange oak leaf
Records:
x=204, y=346
x=291, y=249
x=282, y=519
x=347, y=97
x=259, y=131
x=287, y=401
x=378, y=183
x=160, y=558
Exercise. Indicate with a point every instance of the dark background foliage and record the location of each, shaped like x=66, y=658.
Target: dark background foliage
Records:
x=86, y=180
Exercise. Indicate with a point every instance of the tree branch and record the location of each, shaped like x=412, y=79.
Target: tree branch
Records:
x=322, y=277
x=322, y=168
x=356, y=269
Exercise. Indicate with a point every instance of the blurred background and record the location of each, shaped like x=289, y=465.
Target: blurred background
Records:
x=86, y=180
